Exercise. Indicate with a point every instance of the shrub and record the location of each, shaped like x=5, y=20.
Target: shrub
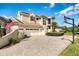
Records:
x=13, y=41
x=64, y=31
x=77, y=32
x=54, y=33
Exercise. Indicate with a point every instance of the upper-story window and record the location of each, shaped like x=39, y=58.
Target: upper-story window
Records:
x=49, y=27
x=32, y=18
x=49, y=21
x=37, y=18
x=0, y=25
x=44, y=22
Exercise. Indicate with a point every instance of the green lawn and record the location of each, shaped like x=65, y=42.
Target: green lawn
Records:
x=72, y=49
x=68, y=33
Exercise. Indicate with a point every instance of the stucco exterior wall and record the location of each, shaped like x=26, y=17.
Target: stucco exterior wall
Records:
x=38, y=32
x=40, y=21
x=21, y=34
x=25, y=19
x=31, y=32
x=5, y=39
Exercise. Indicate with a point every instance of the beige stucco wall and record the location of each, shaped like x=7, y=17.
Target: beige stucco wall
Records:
x=21, y=34
x=39, y=32
x=31, y=32
x=23, y=18
x=5, y=39
x=40, y=21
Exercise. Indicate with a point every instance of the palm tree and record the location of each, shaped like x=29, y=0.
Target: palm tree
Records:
x=54, y=25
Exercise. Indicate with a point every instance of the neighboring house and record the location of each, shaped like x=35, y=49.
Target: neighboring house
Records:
x=3, y=22
x=35, y=25
x=58, y=29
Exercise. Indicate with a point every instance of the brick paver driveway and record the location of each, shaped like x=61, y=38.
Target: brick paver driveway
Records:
x=38, y=45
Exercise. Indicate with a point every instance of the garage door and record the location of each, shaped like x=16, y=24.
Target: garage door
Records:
x=31, y=32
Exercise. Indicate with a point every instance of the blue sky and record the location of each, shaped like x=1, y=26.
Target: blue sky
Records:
x=49, y=9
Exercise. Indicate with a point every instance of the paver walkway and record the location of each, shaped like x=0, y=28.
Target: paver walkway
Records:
x=38, y=46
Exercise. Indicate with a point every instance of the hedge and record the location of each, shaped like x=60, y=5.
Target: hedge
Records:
x=77, y=32
x=13, y=41
x=54, y=33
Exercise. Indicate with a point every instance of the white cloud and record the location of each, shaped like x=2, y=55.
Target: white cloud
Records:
x=52, y=5
x=45, y=6
x=66, y=10
x=72, y=10
x=76, y=7
x=69, y=13
x=29, y=9
x=5, y=16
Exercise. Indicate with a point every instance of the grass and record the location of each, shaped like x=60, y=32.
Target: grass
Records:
x=68, y=33
x=72, y=49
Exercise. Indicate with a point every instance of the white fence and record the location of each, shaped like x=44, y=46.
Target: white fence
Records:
x=5, y=39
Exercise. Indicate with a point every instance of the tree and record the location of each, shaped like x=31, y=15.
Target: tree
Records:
x=65, y=29
x=54, y=25
x=78, y=28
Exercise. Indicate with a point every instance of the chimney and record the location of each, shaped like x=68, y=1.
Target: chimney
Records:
x=18, y=13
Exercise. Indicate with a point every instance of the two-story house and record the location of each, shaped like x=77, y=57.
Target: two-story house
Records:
x=35, y=25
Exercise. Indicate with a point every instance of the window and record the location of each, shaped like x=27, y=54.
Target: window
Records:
x=49, y=27
x=49, y=21
x=20, y=29
x=32, y=18
x=27, y=29
x=44, y=22
x=37, y=18
x=32, y=29
x=0, y=25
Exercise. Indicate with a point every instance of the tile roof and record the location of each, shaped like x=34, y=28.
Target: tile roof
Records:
x=4, y=19
x=44, y=17
x=24, y=14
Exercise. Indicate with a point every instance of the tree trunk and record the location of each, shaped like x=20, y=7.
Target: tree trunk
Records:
x=53, y=29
